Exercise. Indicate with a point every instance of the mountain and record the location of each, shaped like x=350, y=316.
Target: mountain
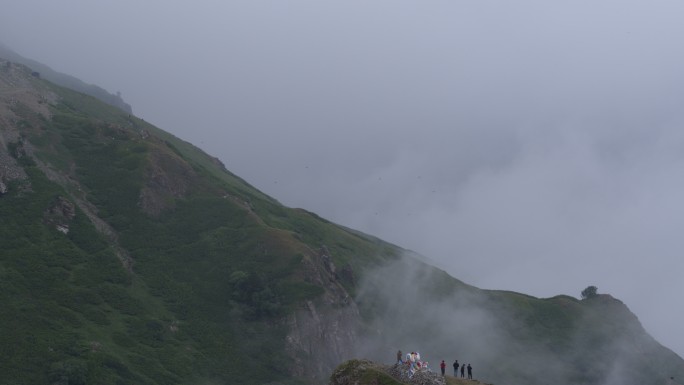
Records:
x=65, y=80
x=128, y=256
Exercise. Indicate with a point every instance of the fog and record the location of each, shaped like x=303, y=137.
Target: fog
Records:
x=530, y=146
x=422, y=311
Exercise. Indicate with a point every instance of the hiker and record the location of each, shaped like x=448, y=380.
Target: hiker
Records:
x=463, y=371
x=470, y=372
x=456, y=368
x=443, y=367
x=399, y=361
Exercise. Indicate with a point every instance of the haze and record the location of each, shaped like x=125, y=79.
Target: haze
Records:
x=532, y=146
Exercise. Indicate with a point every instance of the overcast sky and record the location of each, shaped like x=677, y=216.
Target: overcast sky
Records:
x=534, y=146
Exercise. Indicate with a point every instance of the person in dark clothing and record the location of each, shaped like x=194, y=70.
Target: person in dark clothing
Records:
x=399, y=357
x=443, y=367
x=470, y=372
x=456, y=368
x=463, y=371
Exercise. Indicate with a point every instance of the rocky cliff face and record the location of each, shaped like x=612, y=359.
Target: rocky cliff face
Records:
x=9, y=169
x=168, y=177
x=323, y=332
x=16, y=93
x=60, y=214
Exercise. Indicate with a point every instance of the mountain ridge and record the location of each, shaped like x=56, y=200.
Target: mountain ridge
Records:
x=65, y=80
x=132, y=256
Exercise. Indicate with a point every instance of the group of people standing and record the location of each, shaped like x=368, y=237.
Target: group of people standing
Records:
x=456, y=366
x=414, y=362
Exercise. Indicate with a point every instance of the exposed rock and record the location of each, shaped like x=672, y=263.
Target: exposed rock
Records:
x=218, y=162
x=9, y=168
x=18, y=93
x=90, y=211
x=420, y=377
x=17, y=89
x=19, y=150
x=346, y=275
x=60, y=213
x=95, y=346
x=327, y=262
x=364, y=372
x=169, y=177
x=360, y=372
x=326, y=328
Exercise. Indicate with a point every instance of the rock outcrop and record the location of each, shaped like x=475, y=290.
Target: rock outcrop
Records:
x=168, y=177
x=325, y=328
x=361, y=372
x=60, y=214
x=402, y=373
x=365, y=372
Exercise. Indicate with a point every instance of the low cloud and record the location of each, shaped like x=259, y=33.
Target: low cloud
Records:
x=506, y=337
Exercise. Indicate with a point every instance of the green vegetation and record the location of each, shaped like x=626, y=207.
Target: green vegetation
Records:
x=589, y=292
x=168, y=269
x=361, y=372
x=215, y=270
x=63, y=297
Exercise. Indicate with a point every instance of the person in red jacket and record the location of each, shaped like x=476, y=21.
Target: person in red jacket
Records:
x=443, y=367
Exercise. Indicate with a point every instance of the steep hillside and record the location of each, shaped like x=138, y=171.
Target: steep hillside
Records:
x=130, y=256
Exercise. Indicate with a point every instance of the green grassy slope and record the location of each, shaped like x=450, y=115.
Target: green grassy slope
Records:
x=214, y=270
